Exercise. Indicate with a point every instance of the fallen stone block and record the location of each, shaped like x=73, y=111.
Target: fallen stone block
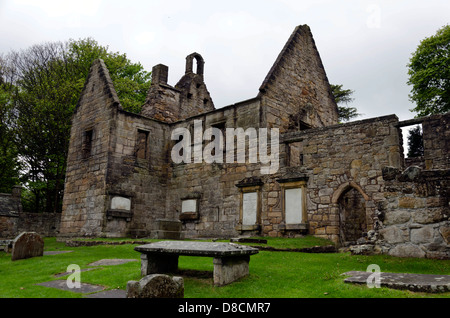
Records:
x=363, y=249
x=248, y=240
x=156, y=286
x=113, y=261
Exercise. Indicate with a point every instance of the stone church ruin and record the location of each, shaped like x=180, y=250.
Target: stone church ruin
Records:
x=345, y=182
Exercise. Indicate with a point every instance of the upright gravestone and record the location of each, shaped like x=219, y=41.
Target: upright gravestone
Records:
x=26, y=245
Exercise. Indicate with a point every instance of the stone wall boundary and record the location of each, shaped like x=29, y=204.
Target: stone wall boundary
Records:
x=45, y=224
x=415, y=215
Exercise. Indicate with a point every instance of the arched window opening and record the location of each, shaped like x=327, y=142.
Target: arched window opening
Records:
x=190, y=63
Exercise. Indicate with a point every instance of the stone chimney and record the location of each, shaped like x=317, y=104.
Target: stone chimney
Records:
x=160, y=74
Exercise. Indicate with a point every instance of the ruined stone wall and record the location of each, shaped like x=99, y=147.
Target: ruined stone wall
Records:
x=188, y=98
x=296, y=90
x=194, y=96
x=8, y=224
x=10, y=202
x=337, y=159
x=436, y=141
x=213, y=185
x=84, y=194
x=333, y=159
x=13, y=220
x=137, y=171
x=45, y=224
x=163, y=103
x=415, y=220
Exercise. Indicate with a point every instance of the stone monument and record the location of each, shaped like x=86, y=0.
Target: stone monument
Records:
x=156, y=286
x=27, y=245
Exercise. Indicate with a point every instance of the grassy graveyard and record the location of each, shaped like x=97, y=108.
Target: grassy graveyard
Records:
x=273, y=274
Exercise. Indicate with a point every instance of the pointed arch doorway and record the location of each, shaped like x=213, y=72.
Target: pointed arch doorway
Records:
x=351, y=200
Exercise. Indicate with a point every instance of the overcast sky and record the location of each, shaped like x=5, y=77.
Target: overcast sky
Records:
x=364, y=45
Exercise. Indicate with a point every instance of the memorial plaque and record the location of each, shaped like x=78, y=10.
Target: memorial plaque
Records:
x=293, y=205
x=249, y=208
x=189, y=206
x=120, y=203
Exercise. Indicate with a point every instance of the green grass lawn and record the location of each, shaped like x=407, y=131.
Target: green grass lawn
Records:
x=272, y=274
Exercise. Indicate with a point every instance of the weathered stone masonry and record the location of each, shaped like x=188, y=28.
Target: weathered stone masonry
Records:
x=340, y=158
x=331, y=181
x=14, y=221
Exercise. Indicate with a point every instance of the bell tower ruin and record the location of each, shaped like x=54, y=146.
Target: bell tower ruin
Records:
x=188, y=98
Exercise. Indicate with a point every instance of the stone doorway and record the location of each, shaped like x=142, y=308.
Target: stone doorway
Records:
x=352, y=216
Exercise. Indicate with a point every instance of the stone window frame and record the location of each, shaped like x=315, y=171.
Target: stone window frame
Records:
x=294, y=183
x=140, y=130
x=190, y=63
x=249, y=186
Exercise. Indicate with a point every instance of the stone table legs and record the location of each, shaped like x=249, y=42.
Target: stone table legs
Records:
x=158, y=263
x=226, y=269
x=229, y=269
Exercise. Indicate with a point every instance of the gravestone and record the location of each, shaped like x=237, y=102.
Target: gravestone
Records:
x=156, y=286
x=26, y=245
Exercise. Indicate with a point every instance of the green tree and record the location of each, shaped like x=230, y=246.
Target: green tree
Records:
x=9, y=163
x=429, y=74
x=343, y=96
x=415, y=142
x=130, y=80
x=49, y=78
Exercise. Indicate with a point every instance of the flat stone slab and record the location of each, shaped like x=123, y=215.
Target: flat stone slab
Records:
x=414, y=282
x=189, y=248
x=248, y=240
x=70, y=273
x=113, y=293
x=56, y=252
x=114, y=261
x=62, y=284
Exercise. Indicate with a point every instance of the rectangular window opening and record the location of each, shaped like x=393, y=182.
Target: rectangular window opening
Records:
x=222, y=127
x=142, y=144
x=304, y=126
x=87, y=143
